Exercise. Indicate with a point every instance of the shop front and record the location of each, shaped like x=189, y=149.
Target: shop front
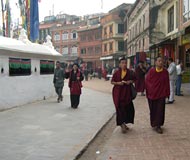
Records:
x=165, y=49
x=184, y=55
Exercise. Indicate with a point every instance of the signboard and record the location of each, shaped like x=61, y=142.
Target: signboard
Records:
x=186, y=39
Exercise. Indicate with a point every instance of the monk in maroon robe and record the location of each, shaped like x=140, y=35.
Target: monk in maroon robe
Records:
x=157, y=89
x=75, y=84
x=140, y=72
x=122, y=79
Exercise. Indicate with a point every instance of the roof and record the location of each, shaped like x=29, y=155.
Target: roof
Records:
x=89, y=27
x=32, y=48
x=46, y=25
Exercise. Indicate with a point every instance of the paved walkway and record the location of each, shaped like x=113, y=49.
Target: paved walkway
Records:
x=47, y=130
x=143, y=143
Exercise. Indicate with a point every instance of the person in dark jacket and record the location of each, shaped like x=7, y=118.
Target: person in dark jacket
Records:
x=75, y=84
x=58, y=81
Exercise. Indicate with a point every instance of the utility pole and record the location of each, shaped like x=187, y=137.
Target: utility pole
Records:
x=3, y=18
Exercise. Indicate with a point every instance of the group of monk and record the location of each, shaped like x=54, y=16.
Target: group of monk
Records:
x=155, y=83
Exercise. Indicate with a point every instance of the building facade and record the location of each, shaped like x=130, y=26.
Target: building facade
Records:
x=90, y=45
x=65, y=40
x=184, y=39
x=138, y=32
x=112, y=36
x=164, y=29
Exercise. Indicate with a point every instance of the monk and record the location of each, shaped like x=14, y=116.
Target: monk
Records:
x=140, y=72
x=122, y=79
x=75, y=84
x=157, y=89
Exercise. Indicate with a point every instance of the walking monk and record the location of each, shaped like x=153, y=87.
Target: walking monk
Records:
x=75, y=84
x=122, y=79
x=157, y=89
x=140, y=72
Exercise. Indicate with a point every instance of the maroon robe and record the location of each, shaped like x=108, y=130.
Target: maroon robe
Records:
x=122, y=98
x=75, y=86
x=157, y=84
x=157, y=89
x=140, y=79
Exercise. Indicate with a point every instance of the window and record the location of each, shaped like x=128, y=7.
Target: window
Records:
x=139, y=26
x=120, y=28
x=105, y=47
x=65, y=50
x=74, y=50
x=90, y=50
x=65, y=36
x=83, y=51
x=111, y=29
x=105, y=31
x=46, y=67
x=111, y=46
x=83, y=37
x=90, y=37
x=74, y=35
x=98, y=49
x=136, y=29
x=57, y=37
x=186, y=10
x=19, y=67
x=98, y=35
x=143, y=22
x=120, y=46
x=171, y=19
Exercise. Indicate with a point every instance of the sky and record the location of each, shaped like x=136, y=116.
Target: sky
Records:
x=73, y=7
x=78, y=7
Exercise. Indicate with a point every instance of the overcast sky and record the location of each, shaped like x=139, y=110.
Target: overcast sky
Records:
x=76, y=7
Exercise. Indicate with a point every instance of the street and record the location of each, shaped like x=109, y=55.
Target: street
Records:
x=142, y=143
x=47, y=130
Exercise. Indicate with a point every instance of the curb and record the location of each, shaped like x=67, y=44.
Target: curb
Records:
x=93, y=138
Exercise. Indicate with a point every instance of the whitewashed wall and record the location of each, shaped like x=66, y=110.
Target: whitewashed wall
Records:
x=19, y=90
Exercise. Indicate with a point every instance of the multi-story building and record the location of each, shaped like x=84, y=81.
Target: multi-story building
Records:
x=90, y=44
x=164, y=32
x=137, y=35
x=184, y=39
x=112, y=35
x=65, y=39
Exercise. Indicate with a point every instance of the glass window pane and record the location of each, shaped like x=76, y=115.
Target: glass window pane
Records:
x=185, y=6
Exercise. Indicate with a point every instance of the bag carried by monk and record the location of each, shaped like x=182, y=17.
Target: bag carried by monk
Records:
x=133, y=90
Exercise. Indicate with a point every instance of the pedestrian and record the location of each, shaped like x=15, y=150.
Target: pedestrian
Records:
x=179, y=78
x=75, y=84
x=91, y=73
x=99, y=72
x=157, y=89
x=86, y=74
x=122, y=79
x=140, y=72
x=58, y=80
x=172, y=76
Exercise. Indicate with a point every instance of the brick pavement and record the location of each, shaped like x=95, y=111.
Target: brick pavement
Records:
x=143, y=143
